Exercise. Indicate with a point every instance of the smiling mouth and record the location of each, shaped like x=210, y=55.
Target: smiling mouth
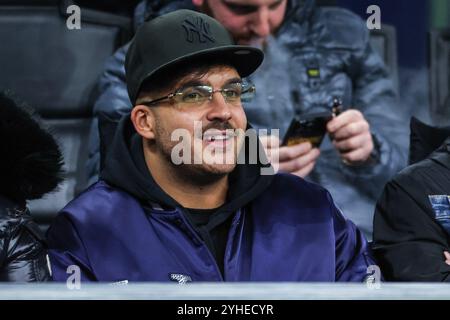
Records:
x=218, y=136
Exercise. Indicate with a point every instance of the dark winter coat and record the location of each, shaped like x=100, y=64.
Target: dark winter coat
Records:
x=412, y=221
x=30, y=166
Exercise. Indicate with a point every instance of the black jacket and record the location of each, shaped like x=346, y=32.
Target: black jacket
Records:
x=22, y=249
x=30, y=166
x=412, y=229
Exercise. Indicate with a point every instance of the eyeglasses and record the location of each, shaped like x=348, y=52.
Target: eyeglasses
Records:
x=233, y=93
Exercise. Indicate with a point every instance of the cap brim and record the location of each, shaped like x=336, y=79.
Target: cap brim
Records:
x=244, y=59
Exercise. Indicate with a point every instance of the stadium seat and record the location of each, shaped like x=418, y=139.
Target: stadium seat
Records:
x=439, y=52
x=55, y=70
x=384, y=41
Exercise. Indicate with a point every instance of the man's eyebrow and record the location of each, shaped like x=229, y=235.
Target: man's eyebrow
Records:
x=233, y=3
x=233, y=6
x=196, y=82
x=233, y=80
x=275, y=3
x=191, y=82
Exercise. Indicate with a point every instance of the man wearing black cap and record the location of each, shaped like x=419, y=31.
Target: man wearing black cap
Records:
x=151, y=218
x=313, y=54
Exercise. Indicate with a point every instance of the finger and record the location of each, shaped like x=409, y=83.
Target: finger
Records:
x=343, y=119
x=293, y=152
x=273, y=155
x=270, y=142
x=358, y=155
x=301, y=162
x=305, y=171
x=354, y=143
x=352, y=129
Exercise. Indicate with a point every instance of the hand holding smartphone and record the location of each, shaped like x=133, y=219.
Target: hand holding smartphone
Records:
x=312, y=127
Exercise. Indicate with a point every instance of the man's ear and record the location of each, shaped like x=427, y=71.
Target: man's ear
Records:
x=143, y=121
x=198, y=3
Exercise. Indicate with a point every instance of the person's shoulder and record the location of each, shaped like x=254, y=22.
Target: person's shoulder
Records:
x=418, y=173
x=295, y=201
x=295, y=181
x=419, y=180
x=286, y=186
x=16, y=223
x=10, y=215
x=341, y=17
x=345, y=27
x=98, y=201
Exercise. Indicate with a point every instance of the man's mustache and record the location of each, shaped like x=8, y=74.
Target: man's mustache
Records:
x=213, y=126
x=217, y=126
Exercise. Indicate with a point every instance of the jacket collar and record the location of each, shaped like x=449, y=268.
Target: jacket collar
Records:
x=442, y=155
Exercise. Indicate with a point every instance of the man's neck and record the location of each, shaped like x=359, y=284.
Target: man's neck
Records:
x=186, y=191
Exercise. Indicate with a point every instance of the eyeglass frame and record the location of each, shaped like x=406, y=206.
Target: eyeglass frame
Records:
x=251, y=88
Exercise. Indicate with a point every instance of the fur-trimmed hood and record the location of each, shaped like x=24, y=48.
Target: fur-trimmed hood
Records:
x=30, y=159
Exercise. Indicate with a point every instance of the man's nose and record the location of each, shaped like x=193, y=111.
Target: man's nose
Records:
x=219, y=108
x=260, y=24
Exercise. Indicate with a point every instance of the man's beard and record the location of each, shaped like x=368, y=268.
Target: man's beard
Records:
x=198, y=174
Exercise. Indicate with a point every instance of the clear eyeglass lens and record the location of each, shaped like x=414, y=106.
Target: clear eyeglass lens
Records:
x=232, y=93
x=248, y=93
x=195, y=94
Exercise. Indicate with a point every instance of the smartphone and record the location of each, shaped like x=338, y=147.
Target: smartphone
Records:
x=310, y=128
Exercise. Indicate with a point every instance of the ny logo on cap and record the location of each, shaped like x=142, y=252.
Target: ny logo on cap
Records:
x=196, y=26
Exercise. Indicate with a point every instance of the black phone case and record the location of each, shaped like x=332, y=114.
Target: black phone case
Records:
x=310, y=128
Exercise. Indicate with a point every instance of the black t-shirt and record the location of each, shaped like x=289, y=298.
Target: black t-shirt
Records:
x=216, y=238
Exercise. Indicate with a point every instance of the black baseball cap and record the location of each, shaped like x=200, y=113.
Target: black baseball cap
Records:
x=181, y=37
